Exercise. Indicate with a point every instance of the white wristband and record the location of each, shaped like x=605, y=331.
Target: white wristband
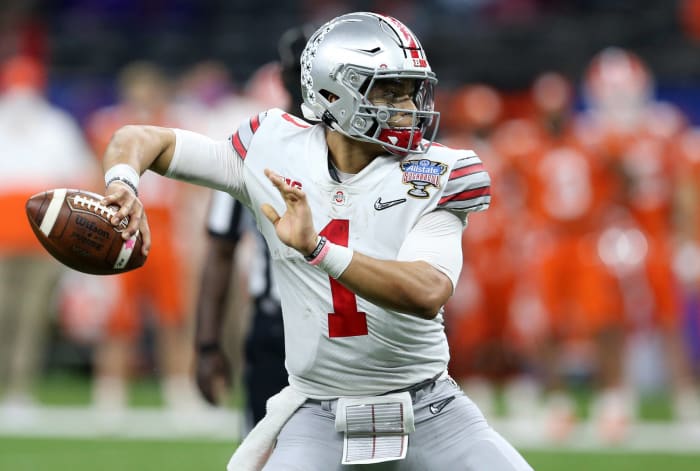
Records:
x=336, y=260
x=124, y=173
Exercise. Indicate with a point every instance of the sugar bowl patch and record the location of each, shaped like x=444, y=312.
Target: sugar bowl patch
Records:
x=422, y=174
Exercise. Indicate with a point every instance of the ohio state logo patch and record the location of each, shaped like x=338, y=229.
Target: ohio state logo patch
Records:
x=339, y=197
x=421, y=174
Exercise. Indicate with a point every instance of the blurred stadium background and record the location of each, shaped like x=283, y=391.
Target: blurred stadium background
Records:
x=576, y=327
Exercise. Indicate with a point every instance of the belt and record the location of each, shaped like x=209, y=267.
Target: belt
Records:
x=412, y=389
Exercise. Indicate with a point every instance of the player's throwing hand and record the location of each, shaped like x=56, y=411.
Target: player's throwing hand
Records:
x=129, y=207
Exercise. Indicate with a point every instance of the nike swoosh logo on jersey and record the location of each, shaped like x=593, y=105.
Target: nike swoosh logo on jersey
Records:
x=379, y=204
x=436, y=407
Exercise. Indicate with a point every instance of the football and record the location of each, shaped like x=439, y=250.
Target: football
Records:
x=74, y=227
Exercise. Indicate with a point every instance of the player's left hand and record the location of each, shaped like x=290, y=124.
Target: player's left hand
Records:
x=213, y=375
x=295, y=227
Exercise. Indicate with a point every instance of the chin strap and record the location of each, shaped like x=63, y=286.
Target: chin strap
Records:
x=329, y=120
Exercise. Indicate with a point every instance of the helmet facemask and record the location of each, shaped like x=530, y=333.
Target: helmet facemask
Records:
x=399, y=129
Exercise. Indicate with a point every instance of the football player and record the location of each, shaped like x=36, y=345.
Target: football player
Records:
x=363, y=216
x=635, y=134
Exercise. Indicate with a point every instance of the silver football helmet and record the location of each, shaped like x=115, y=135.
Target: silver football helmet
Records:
x=341, y=63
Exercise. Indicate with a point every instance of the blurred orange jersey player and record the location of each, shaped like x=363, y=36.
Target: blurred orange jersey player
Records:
x=635, y=135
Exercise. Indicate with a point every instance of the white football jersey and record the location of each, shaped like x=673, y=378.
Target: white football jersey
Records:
x=337, y=343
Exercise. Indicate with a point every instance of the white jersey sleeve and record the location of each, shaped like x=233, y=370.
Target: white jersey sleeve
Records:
x=437, y=239
x=202, y=160
x=468, y=187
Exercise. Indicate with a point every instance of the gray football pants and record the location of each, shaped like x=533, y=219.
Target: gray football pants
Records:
x=452, y=435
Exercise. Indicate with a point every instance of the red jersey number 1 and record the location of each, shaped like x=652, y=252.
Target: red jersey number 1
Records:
x=345, y=320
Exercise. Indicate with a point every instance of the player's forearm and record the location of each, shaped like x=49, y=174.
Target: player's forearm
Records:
x=411, y=287
x=685, y=209
x=213, y=295
x=141, y=147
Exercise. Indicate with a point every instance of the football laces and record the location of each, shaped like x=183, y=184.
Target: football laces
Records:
x=94, y=206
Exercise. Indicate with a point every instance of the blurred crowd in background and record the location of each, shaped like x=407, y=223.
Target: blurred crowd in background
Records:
x=585, y=271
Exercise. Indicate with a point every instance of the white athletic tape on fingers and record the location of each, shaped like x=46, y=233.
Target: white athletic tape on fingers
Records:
x=59, y=196
x=125, y=252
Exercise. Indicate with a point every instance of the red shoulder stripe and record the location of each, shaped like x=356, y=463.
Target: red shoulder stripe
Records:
x=467, y=170
x=238, y=145
x=466, y=195
x=255, y=123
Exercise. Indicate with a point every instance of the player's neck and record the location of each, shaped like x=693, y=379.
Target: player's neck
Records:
x=349, y=155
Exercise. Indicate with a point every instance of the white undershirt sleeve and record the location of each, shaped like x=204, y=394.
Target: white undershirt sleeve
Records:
x=437, y=239
x=205, y=161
